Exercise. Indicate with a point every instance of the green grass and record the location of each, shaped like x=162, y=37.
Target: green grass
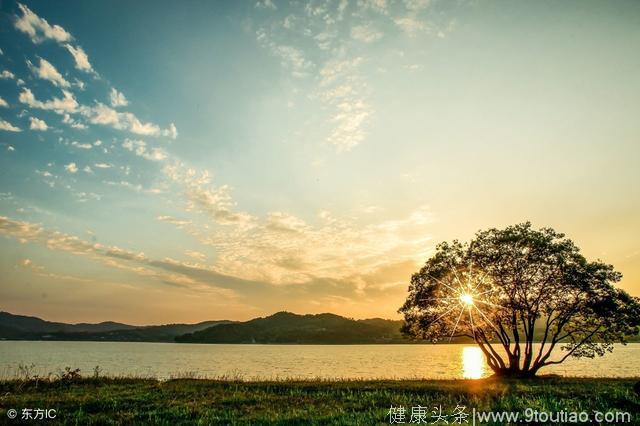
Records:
x=198, y=401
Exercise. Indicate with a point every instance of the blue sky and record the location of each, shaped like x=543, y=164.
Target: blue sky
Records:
x=169, y=161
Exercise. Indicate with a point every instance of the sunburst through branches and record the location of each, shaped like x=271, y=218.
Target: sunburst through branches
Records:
x=464, y=303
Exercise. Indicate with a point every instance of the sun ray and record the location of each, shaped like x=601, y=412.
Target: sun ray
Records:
x=487, y=319
x=481, y=280
x=490, y=304
x=457, y=321
x=484, y=292
x=437, y=298
x=441, y=316
x=455, y=273
x=444, y=284
x=473, y=327
x=467, y=295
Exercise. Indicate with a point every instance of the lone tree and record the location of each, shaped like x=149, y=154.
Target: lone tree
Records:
x=509, y=288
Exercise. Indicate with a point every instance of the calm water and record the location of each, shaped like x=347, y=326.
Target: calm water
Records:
x=164, y=360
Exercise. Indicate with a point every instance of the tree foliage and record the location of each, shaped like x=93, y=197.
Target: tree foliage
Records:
x=509, y=288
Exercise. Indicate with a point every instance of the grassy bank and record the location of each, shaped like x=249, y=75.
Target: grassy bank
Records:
x=182, y=401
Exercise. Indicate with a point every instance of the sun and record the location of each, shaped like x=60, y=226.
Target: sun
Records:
x=465, y=294
x=466, y=299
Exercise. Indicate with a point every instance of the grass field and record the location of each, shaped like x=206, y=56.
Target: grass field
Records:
x=196, y=401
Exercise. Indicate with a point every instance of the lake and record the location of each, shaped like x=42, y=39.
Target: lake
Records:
x=165, y=360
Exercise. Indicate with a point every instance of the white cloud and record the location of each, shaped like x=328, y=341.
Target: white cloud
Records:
x=205, y=198
x=48, y=72
x=81, y=145
x=196, y=255
x=165, y=270
x=410, y=25
x=288, y=22
x=350, y=118
x=171, y=132
x=67, y=119
x=284, y=249
x=71, y=167
x=417, y=4
x=81, y=58
x=138, y=146
x=174, y=220
x=38, y=29
x=87, y=169
x=365, y=33
x=124, y=184
x=3, y=103
x=5, y=125
x=380, y=6
x=66, y=104
x=290, y=57
x=105, y=115
x=265, y=4
x=141, y=150
x=117, y=98
x=7, y=75
x=44, y=173
x=37, y=124
x=324, y=40
x=342, y=88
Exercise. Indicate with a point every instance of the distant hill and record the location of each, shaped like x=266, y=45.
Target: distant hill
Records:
x=33, y=324
x=280, y=328
x=20, y=327
x=286, y=327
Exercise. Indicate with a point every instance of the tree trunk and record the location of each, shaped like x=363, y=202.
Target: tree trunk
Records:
x=514, y=373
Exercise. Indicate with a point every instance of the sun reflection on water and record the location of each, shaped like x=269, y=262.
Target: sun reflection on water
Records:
x=472, y=362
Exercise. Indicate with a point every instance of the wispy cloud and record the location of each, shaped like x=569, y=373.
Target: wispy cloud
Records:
x=117, y=98
x=168, y=271
x=282, y=248
x=7, y=75
x=141, y=150
x=105, y=115
x=365, y=33
x=196, y=255
x=5, y=125
x=67, y=103
x=67, y=119
x=38, y=29
x=203, y=197
x=71, y=167
x=80, y=57
x=81, y=145
x=37, y=124
x=48, y=72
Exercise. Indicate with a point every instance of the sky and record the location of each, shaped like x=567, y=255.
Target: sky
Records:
x=168, y=161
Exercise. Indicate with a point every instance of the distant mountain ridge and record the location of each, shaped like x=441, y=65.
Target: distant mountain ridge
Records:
x=279, y=328
x=282, y=327
x=286, y=327
x=34, y=324
x=20, y=327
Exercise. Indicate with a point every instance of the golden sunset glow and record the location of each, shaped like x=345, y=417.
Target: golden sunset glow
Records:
x=466, y=299
x=473, y=363
x=303, y=156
